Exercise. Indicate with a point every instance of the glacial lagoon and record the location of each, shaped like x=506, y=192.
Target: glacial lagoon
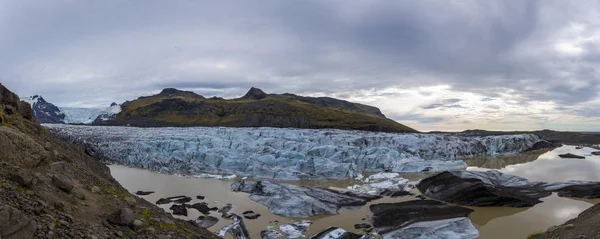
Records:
x=492, y=222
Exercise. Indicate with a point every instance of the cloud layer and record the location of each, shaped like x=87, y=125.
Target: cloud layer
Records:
x=434, y=65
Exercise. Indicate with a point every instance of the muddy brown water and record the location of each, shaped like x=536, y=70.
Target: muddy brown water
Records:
x=494, y=222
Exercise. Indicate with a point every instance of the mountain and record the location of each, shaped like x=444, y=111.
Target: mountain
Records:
x=44, y=111
x=48, y=113
x=53, y=189
x=173, y=107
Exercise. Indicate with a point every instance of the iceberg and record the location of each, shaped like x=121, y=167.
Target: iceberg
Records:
x=286, y=154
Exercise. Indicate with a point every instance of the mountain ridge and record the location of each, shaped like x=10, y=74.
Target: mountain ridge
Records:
x=172, y=107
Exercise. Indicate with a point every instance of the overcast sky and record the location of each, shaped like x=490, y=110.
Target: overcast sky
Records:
x=433, y=65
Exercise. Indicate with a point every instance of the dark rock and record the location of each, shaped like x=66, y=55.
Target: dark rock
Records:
x=179, y=209
x=46, y=112
x=590, y=190
x=143, y=193
x=570, y=155
x=251, y=215
x=122, y=217
x=207, y=221
x=388, y=217
x=255, y=94
x=22, y=178
x=578, y=147
x=14, y=224
x=201, y=207
x=225, y=211
x=163, y=201
x=490, y=188
x=297, y=201
x=9, y=109
x=543, y=145
x=62, y=182
x=394, y=193
x=597, y=153
x=183, y=200
x=200, y=197
x=362, y=226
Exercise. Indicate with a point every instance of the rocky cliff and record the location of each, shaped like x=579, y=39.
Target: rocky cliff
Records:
x=255, y=109
x=50, y=188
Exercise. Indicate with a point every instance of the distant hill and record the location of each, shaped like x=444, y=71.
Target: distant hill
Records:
x=174, y=107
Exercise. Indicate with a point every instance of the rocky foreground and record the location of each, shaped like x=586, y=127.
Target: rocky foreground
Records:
x=288, y=154
x=50, y=188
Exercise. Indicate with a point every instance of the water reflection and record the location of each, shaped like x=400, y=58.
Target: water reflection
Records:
x=550, y=168
x=499, y=162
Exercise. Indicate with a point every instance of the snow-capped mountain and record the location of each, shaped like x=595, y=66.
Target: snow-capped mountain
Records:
x=49, y=113
x=44, y=111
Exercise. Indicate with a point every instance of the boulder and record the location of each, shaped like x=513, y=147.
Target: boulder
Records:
x=179, y=209
x=62, y=183
x=121, y=217
x=14, y=224
x=388, y=217
x=163, y=201
x=338, y=233
x=137, y=224
x=571, y=156
x=22, y=178
x=143, y=193
x=207, y=221
x=225, y=211
x=597, y=153
x=202, y=207
x=250, y=215
x=298, y=201
x=130, y=201
x=183, y=200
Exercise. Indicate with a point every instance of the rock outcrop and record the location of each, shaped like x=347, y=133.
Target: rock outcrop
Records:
x=300, y=202
x=52, y=189
x=492, y=188
x=45, y=112
x=289, y=154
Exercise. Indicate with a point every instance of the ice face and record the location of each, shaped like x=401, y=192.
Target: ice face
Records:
x=290, y=154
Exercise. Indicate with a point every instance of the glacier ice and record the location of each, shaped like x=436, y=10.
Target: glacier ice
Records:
x=455, y=228
x=289, y=154
x=89, y=115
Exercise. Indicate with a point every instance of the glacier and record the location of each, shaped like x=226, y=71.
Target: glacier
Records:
x=89, y=115
x=285, y=154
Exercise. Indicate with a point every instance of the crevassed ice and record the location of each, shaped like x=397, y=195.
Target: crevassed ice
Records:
x=88, y=115
x=289, y=154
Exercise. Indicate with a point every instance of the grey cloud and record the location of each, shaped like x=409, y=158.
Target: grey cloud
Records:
x=98, y=52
